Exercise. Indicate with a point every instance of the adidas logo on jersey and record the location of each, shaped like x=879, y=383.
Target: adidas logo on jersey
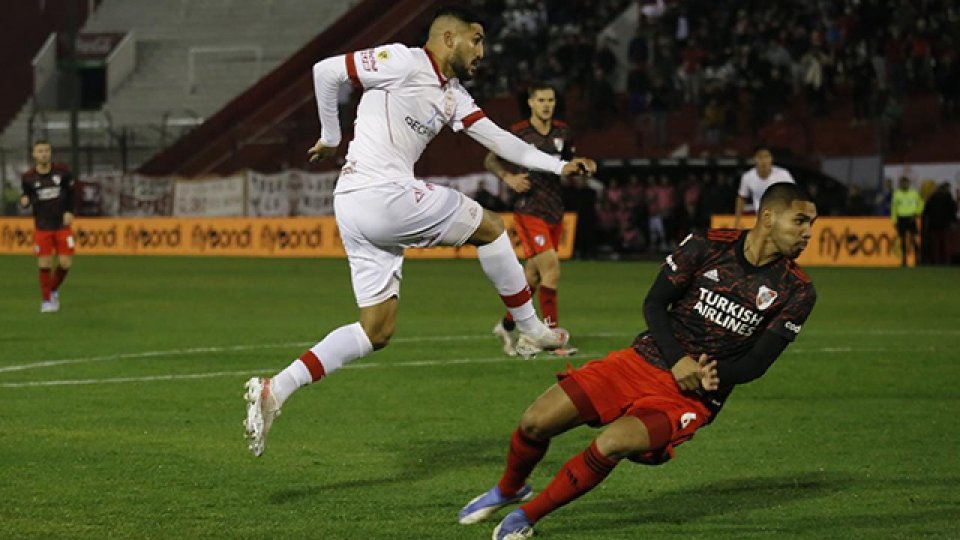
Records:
x=712, y=275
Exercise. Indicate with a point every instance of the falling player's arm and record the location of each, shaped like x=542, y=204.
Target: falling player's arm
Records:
x=779, y=333
x=674, y=281
x=513, y=149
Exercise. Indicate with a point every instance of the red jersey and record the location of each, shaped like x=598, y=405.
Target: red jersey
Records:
x=51, y=195
x=544, y=199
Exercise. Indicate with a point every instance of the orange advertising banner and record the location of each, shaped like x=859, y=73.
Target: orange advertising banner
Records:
x=843, y=241
x=238, y=237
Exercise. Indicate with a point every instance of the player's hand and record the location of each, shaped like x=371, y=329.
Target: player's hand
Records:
x=707, y=369
x=519, y=182
x=67, y=219
x=319, y=152
x=579, y=166
x=687, y=373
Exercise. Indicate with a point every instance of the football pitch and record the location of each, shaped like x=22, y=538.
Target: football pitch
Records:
x=121, y=415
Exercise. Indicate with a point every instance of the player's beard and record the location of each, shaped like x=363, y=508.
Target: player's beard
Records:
x=462, y=69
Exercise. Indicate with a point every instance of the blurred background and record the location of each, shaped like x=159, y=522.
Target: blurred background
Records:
x=672, y=97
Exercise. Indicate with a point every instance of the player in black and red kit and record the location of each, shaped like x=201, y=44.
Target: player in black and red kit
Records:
x=538, y=209
x=723, y=307
x=49, y=188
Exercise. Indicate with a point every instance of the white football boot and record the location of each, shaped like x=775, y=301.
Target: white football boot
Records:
x=528, y=346
x=262, y=408
x=507, y=339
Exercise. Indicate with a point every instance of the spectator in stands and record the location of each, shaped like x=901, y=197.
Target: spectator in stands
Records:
x=939, y=216
x=883, y=198
x=855, y=204
x=948, y=85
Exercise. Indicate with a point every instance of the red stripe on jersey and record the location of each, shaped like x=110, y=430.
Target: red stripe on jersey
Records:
x=723, y=235
x=313, y=364
x=797, y=271
x=473, y=117
x=352, y=71
x=559, y=123
x=517, y=300
x=519, y=125
x=440, y=77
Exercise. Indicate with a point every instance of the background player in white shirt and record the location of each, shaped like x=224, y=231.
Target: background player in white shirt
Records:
x=409, y=94
x=755, y=181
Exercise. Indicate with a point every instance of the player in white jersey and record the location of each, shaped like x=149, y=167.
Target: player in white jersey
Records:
x=755, y=181
x=409, y=94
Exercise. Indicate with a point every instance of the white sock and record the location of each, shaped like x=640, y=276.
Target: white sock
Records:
x=500, y=264
x=337, y=349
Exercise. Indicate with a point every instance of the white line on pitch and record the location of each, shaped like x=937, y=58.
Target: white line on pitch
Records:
x=416, y=363
x=412, y=339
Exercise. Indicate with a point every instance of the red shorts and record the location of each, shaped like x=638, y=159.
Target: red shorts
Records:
x=536, y=235
x=623, y=383
x=46, y=242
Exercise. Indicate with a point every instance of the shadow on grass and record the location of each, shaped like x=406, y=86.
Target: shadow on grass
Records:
x=416, y=461
x=691, y=509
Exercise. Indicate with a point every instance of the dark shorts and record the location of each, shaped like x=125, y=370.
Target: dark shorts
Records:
x=906, y=224
x=47, y=242
x=536, y=235
x=624, y=384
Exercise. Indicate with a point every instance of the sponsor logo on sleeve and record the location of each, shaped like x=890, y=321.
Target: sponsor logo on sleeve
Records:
x=795, y=328
x=673, y=266
x=686, y=419
x=368, y=60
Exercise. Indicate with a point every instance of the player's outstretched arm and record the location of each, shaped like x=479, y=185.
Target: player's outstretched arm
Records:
x=580, y=166
x=512, y=148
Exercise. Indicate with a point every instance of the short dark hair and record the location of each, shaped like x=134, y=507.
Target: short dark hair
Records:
x=459, y=13
x=783, y=193
x=41, y=141
x=539, y=85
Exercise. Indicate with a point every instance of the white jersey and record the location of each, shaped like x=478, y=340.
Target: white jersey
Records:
x=406, y=102
x=752, y=186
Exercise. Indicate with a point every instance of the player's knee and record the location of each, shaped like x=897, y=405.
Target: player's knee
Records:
x=535, y=426
x=378, y=334
x=622, y=440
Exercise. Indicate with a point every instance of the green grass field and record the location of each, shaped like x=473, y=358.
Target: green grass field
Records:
x=121, y=415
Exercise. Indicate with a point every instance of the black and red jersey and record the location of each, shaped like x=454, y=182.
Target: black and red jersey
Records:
x=728, y=302
x=544, y=198
x=51, y=194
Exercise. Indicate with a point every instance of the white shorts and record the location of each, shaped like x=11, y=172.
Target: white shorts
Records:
x=377, y=222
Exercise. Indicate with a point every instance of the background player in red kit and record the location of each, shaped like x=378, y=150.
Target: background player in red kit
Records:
x=49, y=188
x=538, y=210
x=722, y=309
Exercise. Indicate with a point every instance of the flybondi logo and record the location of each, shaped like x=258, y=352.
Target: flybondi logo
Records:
x=16, y=237
x=834, y=243
x=284, y=238
x=214, y=238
